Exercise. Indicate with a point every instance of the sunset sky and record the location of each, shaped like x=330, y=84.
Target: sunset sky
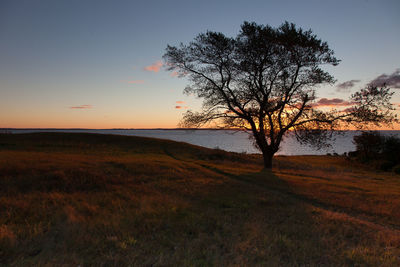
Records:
x=98, y=64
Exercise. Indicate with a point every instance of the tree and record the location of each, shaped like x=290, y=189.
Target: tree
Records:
x=369, y=144
x=378, y=150
x=265, y=81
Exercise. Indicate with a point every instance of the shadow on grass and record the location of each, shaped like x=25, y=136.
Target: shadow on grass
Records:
x=284, y=227
x=275, y=227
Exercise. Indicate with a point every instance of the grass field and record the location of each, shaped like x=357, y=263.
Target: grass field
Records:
x=103, y=200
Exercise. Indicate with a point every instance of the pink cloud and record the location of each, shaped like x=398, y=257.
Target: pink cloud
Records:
x=180, y=102
x=82, y=107
x=136, y=81
x=348, y=110
x=178, y=74
x=133, y=81
x=333, y=102
x=154, y=67
x=174, y=74
x=181, y=107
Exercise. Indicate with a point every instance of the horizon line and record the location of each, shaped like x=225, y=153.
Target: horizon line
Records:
x=177, y=128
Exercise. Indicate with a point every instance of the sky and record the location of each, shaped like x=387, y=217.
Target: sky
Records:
x=98, y=64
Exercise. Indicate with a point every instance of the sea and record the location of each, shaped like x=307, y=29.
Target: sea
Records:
x=229, y=140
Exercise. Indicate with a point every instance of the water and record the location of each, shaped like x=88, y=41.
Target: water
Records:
x=235, y=141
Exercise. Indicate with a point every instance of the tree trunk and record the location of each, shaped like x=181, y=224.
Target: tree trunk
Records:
x=267, y=151
x=267, y=156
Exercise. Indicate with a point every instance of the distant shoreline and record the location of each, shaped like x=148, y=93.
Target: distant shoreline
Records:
x=155, y=129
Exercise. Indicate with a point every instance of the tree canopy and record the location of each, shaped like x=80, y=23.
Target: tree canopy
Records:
x=265, y=81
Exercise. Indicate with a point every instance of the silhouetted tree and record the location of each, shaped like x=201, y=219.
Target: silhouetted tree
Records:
x=369, y=144
x=391, y=149
x=264, y=81
x=378, y=150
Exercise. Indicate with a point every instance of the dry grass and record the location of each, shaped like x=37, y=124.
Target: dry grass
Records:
x=84, y=199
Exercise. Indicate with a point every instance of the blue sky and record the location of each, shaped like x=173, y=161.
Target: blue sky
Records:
x=67, y=64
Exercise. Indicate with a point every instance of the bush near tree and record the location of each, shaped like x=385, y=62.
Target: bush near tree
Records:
x=382, y=151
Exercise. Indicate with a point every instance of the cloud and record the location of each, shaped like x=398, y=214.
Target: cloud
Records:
x=345, y=86
x=348, y=110
x=180, y=102
x=391, y=80
x=136, y=81
x=181, y=107
x=154, y=67
x=333, y=102
x=174, y=74
x=82, y=107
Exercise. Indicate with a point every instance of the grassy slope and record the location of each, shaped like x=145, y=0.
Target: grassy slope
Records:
x=115, y=200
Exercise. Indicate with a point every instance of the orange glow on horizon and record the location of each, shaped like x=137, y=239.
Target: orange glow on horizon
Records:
x=396, y=127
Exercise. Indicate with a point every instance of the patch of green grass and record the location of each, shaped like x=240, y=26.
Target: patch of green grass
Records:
x=88, y=199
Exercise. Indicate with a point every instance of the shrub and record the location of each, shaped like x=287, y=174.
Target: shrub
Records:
x=382, y=152
x=396, y=169
x=391, y=149
x=368, y=144
x=353, y=154
x=385, y=165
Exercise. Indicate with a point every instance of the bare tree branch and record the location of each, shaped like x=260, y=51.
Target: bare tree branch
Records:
x=264, y=80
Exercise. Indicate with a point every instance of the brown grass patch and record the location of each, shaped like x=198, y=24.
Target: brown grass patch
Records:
x=81, y=199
